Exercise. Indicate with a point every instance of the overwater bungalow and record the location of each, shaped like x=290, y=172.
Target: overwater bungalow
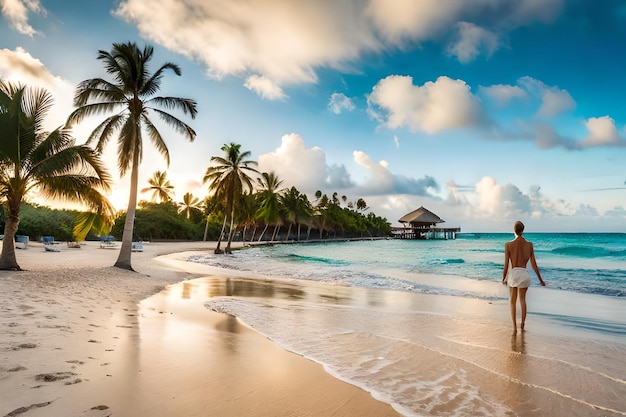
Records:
x=422, y=224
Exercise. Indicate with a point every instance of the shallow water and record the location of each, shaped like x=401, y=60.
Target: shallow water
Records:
x=440, y=343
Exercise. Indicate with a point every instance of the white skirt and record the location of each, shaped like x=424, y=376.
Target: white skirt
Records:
x=518, y=277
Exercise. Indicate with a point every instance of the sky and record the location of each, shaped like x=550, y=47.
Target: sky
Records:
x=484, y=112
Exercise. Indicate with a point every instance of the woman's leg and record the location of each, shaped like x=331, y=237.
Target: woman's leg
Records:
x=512, y=305
x=522, y=301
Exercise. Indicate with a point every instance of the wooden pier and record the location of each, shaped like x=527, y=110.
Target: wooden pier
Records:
x=442, y=233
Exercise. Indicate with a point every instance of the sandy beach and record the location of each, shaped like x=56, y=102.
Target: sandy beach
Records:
x=81, y=338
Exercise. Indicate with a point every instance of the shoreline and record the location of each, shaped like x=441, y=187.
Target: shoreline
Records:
x=76, y=341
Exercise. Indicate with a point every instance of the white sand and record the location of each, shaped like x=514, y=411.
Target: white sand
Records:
x=76, y=341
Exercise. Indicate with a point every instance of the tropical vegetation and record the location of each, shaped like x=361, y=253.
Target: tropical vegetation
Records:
x=48, y=163
x=131, y=99
x=242, y=204
x=229, y=178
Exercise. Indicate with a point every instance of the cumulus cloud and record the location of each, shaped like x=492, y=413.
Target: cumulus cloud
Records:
x=503, y=94
x=302, y=167
x=264, y=87
x=307, y=169
x=554, y=100
x=339, y=102
x=380, y=180
x=602, y=132
x=501, y=200
x=471, y=41
x=287, y=42
x=19, y=66
x=433, y=107
x=16, y=12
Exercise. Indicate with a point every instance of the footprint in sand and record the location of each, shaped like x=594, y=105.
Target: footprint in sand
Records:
x=55, y=376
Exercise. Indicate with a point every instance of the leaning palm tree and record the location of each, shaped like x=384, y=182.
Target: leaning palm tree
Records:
x=162, y=189
x=131, y=98
x=229, y=179
x=48, y=163
x=189, y=204
x=269, y=204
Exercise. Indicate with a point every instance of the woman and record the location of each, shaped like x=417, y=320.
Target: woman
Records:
x=517, y=253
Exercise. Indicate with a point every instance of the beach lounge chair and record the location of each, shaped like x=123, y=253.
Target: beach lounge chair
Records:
x=21, y=242
x=107, y=242
x=137, y=246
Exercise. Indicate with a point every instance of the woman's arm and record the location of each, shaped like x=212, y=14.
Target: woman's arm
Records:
x=507, y=259
x=533, y=263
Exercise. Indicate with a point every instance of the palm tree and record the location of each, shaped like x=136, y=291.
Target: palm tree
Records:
x=131, y=98
x=296, y=207
x=229, y=180
x=269, y=204
x=49, y=163
x=321, y=210
x=189, y=204
x=160, y=186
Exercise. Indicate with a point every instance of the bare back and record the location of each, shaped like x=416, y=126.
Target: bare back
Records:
x=518, y=252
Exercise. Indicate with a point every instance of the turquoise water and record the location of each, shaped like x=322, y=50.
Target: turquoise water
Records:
x=591, y=263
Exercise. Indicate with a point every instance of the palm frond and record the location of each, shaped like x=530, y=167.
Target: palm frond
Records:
x=177, y=124
x=188, y=106
x=157, y=139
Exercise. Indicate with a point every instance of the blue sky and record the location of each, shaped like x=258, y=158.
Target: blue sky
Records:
x=484, y=112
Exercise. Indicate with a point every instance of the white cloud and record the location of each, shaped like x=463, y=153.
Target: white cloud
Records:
x=280, y=41
x=500, y=200
x=602, y=132
x=16, y=13
x=302, y=167
x=431, y=108
x=503, y=94
x=19, y=66
x=554, y=100
x=339, y=102
x=264, y=87
x=471, y=41
x=286, y=42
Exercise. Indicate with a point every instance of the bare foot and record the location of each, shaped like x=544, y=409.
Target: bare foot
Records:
x=522, y=325
x=514, y=330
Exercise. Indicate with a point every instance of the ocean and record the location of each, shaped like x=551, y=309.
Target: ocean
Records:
x=424, y=325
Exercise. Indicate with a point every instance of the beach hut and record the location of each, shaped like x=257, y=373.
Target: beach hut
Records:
x=422, y=224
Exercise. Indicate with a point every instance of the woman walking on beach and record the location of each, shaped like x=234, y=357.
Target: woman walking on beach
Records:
x=517, y=253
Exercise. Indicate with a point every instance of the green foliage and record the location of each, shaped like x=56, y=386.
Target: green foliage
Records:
x=155, y=221
x=37, y=221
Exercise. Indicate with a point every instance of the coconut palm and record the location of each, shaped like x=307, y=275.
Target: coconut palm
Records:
x=131, y=98
x=49, y=163
x=269, y=204
x=189, y=204
x=229, y=179
x=162, y=189
x=296, y=208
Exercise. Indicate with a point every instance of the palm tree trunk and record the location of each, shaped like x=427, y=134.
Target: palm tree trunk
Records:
x=263, y=232
x=288, y=232
x=299, y=232
x=8, y=261
x=276, y=228
x=231, y=232
x=219, y=239
x=123, y=259
x=206, y=229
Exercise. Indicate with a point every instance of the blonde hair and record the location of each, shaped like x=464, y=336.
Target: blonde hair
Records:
x=519, y=228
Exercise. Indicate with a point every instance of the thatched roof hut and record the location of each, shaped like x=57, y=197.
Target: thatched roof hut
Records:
x=420, y=218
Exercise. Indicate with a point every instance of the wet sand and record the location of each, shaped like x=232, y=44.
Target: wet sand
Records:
x=81, y=338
